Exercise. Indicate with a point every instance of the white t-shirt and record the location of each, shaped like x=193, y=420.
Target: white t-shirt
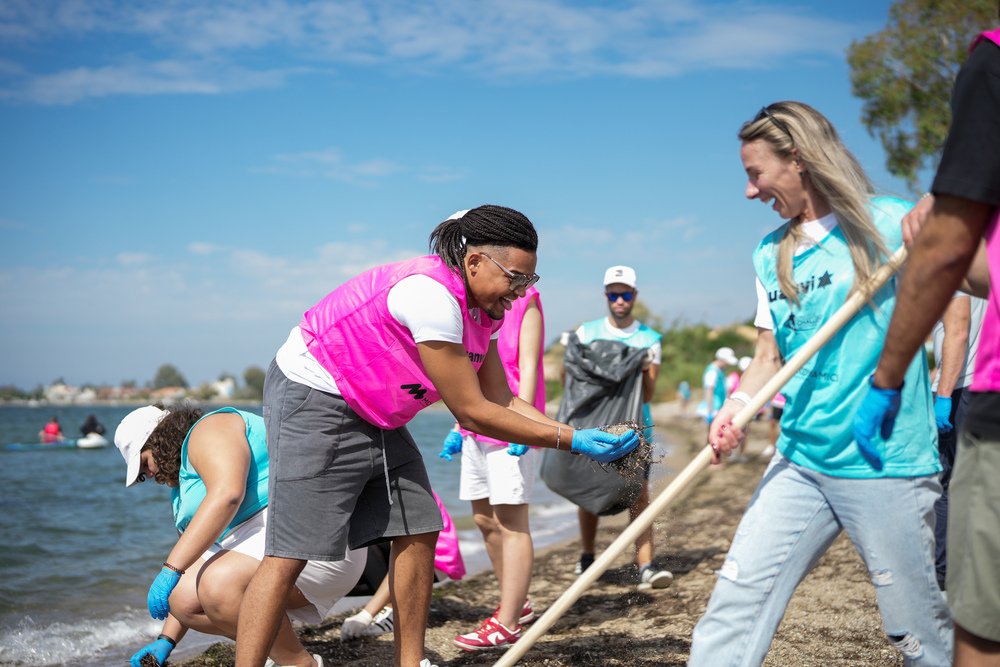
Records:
x=977, y=310
x=418, y=302
x=815, y=231
x=612, y=332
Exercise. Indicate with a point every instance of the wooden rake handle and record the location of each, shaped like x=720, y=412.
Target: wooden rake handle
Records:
x=843, y=315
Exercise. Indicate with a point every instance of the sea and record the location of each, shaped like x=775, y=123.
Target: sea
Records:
x=78, y=551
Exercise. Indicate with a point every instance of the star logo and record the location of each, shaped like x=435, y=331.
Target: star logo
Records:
x=825, y=280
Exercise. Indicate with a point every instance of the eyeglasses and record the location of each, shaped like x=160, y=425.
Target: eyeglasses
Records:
x=517, y=280
x=624, y=296
x=764, y=113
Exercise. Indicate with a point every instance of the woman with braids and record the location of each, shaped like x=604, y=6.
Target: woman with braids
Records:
x=345, y=472
x=836, y=234
x=216, y=466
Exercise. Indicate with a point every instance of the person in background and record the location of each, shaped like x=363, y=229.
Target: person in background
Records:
x=822, y=481
x=621, y=293
x=948, y=250
x=340, y=391
x=91, y=425
x=51, y=432
x=956, y=339
x=684, y=392
x=776, y=407
x=216, y=466
x=375, y=619
x=713, y=382
x=498, y=477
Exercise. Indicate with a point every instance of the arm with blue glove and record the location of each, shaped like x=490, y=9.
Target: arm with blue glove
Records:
x=878, y=410
x=953, y=348
x=603, y=447
x=452, y=444
x=158, y=599
x=173, y=631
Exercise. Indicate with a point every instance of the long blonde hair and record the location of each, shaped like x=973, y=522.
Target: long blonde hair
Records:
x=837, y=177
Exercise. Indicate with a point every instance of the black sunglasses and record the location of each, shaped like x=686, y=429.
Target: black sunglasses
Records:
x=517, y=280
x=614, y=296
x=764, y=113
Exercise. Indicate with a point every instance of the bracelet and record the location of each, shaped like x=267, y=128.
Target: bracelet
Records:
x=740, y=397
x=558, y=436
x=173, y=569
x=168, y=639
x=926, y=195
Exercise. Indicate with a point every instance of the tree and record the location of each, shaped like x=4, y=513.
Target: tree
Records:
x=905, y=74
x=254, y=379
x=167, y=375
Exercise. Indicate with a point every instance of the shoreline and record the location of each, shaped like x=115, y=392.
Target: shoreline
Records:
x=831, y=621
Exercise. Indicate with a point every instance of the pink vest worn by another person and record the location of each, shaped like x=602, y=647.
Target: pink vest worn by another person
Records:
x=372, y=357
x=509, y=348
x=987, y=375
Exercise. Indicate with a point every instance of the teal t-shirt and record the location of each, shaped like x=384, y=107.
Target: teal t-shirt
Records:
x=817, y=424
x=187, y=496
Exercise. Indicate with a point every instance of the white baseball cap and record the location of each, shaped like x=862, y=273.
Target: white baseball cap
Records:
x=132, y=434
x=620, y=274
x=727, y=355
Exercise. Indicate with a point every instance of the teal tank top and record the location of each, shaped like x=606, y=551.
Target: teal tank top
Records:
x=823, y=396
x=187, y=496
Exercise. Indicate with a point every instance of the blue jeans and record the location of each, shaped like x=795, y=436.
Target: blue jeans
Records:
x=793, y=518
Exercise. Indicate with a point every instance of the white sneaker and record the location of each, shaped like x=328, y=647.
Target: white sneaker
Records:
x=380, y=625
x=272, y=663
x=650, y=578
x=423, y=663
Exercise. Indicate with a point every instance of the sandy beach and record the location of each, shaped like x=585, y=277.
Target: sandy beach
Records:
x=832, y=620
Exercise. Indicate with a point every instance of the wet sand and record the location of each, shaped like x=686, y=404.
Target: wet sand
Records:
x=831, y=621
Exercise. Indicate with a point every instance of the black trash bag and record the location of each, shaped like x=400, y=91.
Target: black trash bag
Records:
x=603, y=386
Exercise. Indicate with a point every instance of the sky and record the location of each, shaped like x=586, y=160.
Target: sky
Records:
x=181, y=180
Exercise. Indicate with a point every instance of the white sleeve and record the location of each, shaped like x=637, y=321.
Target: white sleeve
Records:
x=427, y=309
x=763, y=320
x=709, y=379
x=657, y=352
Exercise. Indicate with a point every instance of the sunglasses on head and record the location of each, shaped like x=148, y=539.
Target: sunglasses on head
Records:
x=764, y=113
x=624, y=296
x=517, y=280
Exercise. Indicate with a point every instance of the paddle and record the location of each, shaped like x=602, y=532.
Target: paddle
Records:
x=843, y=315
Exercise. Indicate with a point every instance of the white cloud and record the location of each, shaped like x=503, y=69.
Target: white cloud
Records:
x=201, y=248
x=187, y=46
x=331, y=163
x=133, y=258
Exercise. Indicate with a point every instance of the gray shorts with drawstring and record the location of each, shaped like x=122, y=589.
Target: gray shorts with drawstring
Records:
x=329, y=486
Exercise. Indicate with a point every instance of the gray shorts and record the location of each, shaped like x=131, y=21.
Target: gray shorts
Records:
x=327, y=488
x=973, y=579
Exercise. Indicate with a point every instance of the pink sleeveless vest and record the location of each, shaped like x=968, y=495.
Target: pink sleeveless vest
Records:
x=508, y=345
x=987, y=375
x=372, y=357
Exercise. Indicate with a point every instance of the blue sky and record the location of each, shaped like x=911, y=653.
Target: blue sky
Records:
x=181, y=180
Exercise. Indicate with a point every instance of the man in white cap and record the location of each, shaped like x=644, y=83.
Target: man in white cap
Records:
x=621, y=293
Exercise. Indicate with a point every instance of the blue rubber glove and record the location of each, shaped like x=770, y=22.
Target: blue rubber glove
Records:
x=452, y=445
x=517, y=450
x=160, y=649
x=603, y=447
x=158, y=599
x=942, y=413
x=878, y=410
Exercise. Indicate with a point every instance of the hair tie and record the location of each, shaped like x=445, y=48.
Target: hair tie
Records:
x=459, y=215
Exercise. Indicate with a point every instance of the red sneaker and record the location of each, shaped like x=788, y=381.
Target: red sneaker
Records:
x=527, y=613
x=491, y=634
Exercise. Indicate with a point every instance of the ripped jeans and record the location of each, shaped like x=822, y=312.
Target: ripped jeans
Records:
x=793, y=518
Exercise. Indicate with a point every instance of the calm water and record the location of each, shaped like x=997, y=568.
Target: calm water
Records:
x=80, y=550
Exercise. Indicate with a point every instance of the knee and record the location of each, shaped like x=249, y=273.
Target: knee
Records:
x=185, y=605
x=220, y=592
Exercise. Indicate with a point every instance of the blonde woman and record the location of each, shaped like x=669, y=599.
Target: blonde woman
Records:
x=820, y=481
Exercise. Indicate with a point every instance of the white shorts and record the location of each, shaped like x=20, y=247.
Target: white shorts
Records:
x=321, y=582
x=488, y=471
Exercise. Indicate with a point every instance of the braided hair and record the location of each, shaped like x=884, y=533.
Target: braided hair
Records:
x=487, y=225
